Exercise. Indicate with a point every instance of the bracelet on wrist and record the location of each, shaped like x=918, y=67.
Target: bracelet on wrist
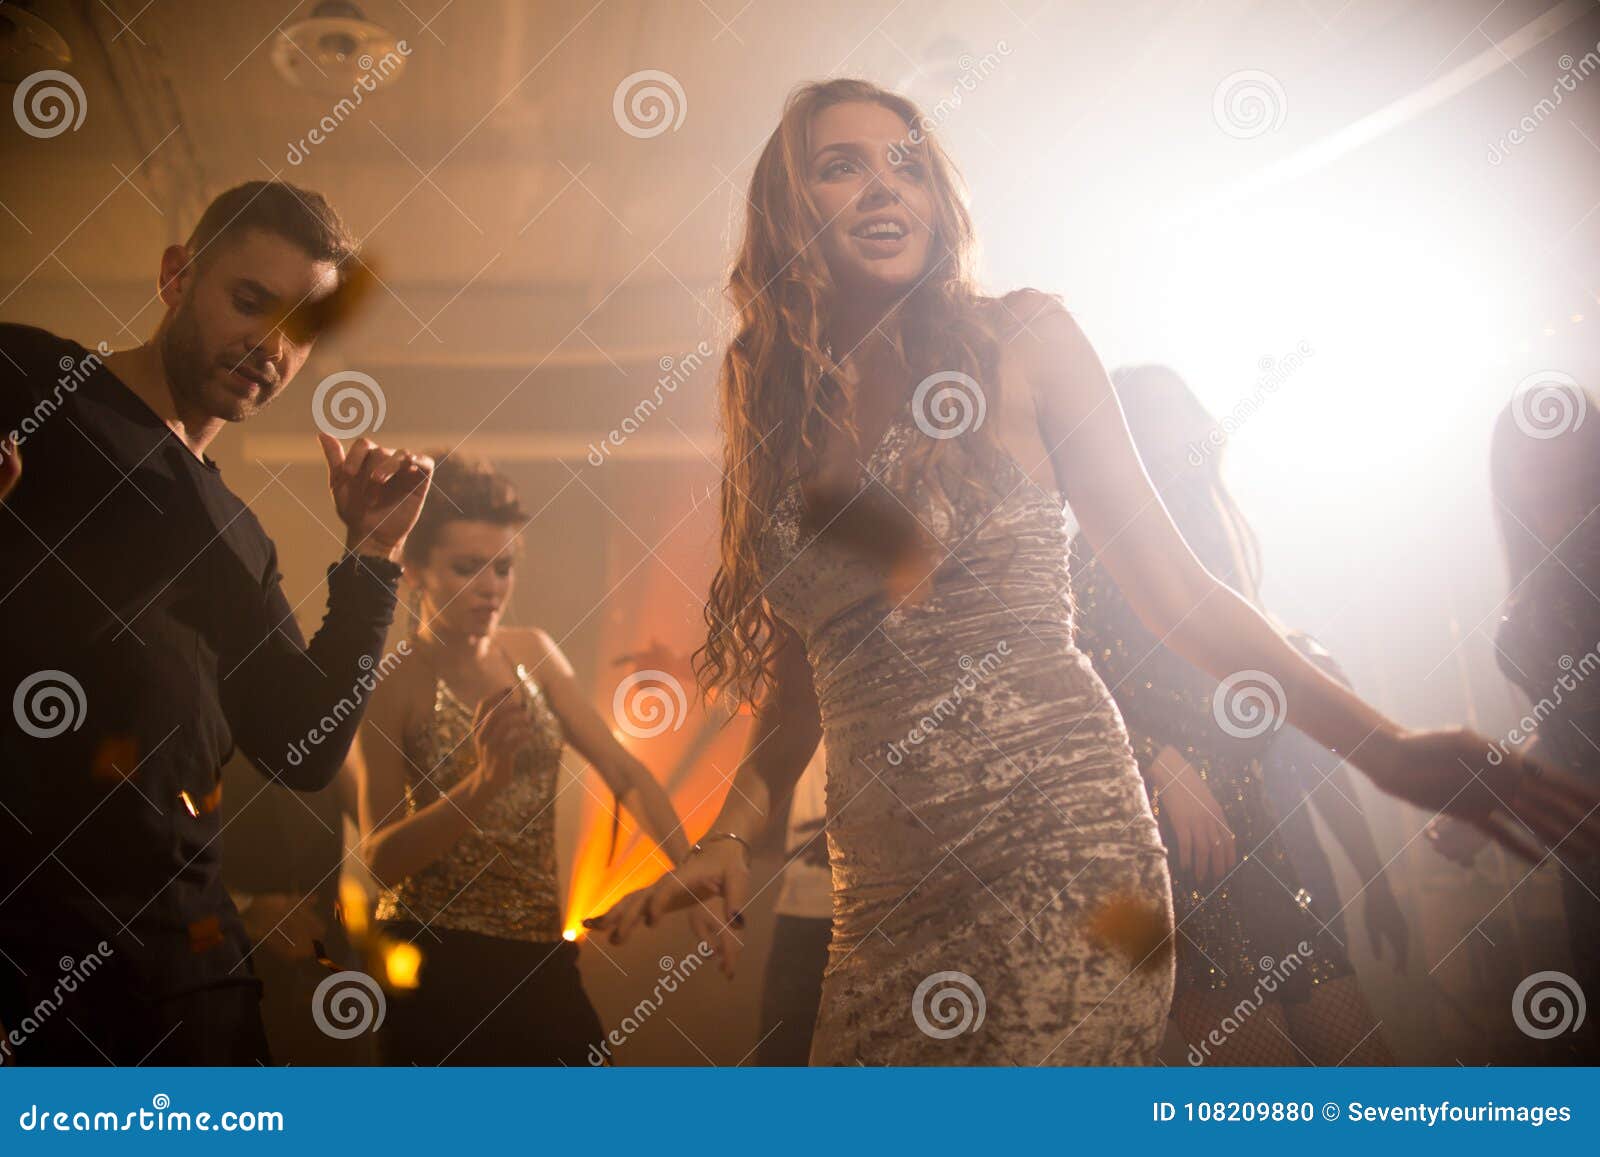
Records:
x=714, y=837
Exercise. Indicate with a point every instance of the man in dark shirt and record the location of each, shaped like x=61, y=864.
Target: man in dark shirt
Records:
x=146, y=636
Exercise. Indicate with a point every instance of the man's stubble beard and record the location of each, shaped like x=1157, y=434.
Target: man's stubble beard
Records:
x=183, y=358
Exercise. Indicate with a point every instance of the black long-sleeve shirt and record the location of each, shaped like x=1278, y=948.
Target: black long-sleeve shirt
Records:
x=144, y=636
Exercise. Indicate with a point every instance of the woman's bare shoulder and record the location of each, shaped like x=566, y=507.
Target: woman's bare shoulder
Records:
x=1019, y=312
x=533, y=647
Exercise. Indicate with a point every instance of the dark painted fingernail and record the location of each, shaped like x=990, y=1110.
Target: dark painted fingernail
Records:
x=591, y=922
x=738, y=920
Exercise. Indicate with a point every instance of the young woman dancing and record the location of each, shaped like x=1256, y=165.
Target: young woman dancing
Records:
x=989, y=833
x=457, y=761
x=1249, y=932
x=1545, y=477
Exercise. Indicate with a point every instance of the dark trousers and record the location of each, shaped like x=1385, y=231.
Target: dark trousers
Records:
x=103, y=1024
x=791, y=991
x=481, y=1000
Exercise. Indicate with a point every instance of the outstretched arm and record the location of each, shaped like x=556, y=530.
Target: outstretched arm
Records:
x=636, y=788
x=1098, y=469
x=788, y=726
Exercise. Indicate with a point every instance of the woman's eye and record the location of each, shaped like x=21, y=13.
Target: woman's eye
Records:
x=836, y=168
x=914, y=169
x=246, y=304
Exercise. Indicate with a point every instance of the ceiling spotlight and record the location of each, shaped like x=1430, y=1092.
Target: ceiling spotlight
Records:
x=28, y=44
x=335, y=48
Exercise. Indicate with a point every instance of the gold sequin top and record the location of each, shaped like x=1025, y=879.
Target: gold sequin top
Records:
x=500, y=879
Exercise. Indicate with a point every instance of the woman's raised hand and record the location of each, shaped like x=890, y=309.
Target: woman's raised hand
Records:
x=501, y=730
x=713, y=884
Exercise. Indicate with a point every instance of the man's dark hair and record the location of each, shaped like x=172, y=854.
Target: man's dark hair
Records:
x=295, y=214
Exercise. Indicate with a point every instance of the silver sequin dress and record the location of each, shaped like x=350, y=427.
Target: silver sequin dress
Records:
x=984, y=807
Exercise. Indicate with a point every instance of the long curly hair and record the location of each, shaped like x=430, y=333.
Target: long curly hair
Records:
x=780, y=388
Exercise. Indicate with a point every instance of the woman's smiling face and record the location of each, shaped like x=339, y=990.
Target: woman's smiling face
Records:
x=869, y=181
